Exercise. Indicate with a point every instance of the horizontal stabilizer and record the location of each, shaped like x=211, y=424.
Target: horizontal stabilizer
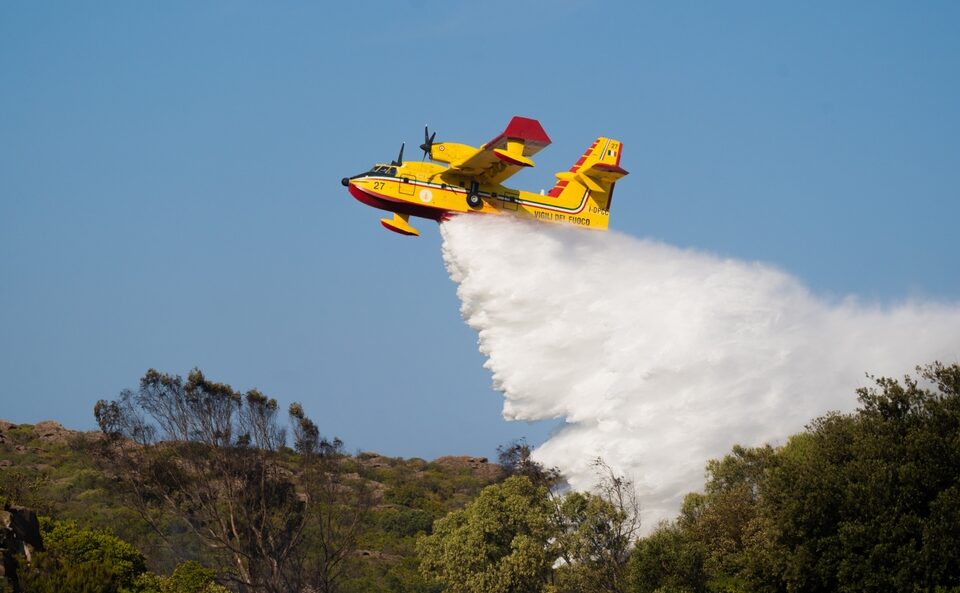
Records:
x=604, y=171
x=582, y=179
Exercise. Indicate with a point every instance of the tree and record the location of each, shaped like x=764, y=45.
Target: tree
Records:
x=669, y=560
x=514, y=533
x=716, y=542
x=215, y=460
x=869, y=501
x=188, y=577
x=728, y=524
x=515, y=460
x=338, y=505
x=499, y=543
x=596, y=532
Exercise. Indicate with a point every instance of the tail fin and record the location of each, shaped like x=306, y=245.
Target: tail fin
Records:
x=597, y=171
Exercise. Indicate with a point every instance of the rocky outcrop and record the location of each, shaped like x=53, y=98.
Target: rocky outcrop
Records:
x=373, y=460
x=5, y=426
x=46, y=431
x=19, y=536
x=51, y=432
x=479, y=466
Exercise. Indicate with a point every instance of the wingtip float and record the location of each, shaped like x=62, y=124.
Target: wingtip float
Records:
x=469, y=180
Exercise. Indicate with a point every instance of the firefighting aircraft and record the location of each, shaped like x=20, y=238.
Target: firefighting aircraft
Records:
x=472, y=177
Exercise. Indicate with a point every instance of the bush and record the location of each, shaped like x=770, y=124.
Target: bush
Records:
x=406, y=523
x=81, y=561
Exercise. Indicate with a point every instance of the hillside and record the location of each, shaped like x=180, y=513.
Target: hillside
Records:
x=861, y=501
x=49, y=468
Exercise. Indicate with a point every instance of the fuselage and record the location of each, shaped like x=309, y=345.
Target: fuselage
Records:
x=428, y=190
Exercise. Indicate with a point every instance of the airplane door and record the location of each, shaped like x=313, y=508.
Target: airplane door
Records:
x=407, y=185
x=510, y=200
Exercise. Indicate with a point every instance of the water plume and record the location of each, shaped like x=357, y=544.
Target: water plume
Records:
x=660, y=358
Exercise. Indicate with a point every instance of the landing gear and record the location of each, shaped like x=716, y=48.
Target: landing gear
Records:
x=473, y=196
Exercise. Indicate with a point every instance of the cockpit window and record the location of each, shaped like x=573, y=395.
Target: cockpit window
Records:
x=384, y=170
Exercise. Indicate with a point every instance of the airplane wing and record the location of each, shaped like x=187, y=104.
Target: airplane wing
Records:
x=506, y=154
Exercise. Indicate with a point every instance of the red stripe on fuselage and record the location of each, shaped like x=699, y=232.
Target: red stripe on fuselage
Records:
x=383, y=202
x=558, y=187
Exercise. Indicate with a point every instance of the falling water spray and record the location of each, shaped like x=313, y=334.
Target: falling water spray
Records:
x=659, y=358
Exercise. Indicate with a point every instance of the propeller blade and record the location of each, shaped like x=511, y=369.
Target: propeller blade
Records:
x=427, y=141
x=399, y=160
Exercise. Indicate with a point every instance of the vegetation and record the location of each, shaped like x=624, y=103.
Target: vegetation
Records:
x=192, y=489
x=866, y=501
x=211, y=459
x=595, y=534
x=83, y=560
x=499, y=543
x=514, y=534
x=361, y=518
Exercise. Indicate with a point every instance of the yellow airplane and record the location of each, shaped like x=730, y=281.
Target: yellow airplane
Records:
x=471, y=181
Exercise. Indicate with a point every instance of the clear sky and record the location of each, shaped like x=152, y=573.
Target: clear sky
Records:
x=170, y=196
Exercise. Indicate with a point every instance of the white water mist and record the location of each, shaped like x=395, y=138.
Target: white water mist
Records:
x=660, y=358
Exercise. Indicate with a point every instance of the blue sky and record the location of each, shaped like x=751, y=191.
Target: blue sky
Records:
x=170, y=197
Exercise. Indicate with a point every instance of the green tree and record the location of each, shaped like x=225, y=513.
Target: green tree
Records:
x=728, y=524
x=595, y=533
x=869, y=501
x=499, y=543
x=187, y=577
x=715, y=544
x=669, y=560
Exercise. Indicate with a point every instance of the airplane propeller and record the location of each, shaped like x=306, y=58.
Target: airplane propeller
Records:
x=427, y=141
x=399, y=160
